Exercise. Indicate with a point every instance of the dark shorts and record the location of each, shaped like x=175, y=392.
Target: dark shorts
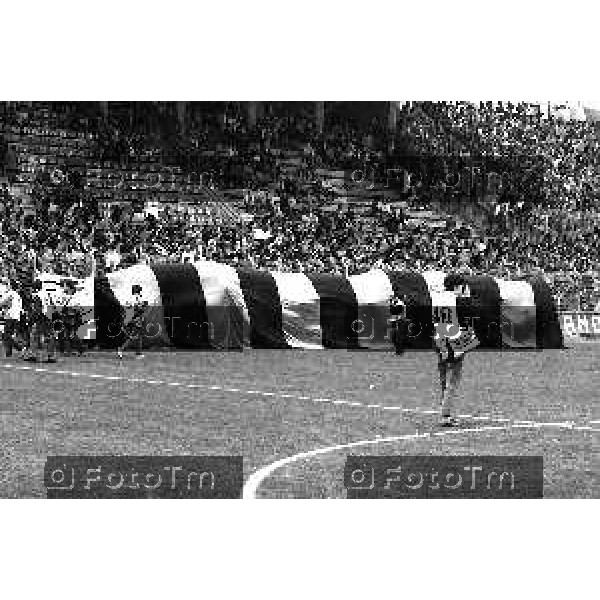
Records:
x=451, y=357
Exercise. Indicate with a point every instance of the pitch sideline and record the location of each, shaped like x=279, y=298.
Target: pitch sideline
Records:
x=267, y=394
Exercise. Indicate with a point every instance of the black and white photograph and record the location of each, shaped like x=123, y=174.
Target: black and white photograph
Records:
x=213, y=287
x=308, y=281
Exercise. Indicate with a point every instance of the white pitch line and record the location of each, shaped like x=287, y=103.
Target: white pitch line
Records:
x=254, y=481
x=275, y=394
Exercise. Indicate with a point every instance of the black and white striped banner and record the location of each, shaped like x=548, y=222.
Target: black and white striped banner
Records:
x=211, y=305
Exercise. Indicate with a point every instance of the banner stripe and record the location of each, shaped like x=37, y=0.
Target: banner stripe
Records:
x=338, y=310
x=184, y=305
x=264, y=308
x=518, y=324
x=108, y=314
x=225, y=306
x=485, y=310
x=300, y=311
x=418, y=306
x=373, y=291
x=548, y=331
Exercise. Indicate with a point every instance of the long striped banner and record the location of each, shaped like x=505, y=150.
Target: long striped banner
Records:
x=211, y=305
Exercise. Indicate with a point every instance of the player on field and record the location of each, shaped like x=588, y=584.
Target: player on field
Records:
x=453, y=338
x=134, y=328
x=399, y=323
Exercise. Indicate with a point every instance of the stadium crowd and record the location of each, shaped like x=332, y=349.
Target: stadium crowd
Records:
x=543, y=220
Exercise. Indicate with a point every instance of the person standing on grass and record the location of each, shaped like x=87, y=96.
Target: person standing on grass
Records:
x=42, y=339
x=69, y=340
x=399, y=323
x=134, y=329
x=454, y=337
x=11, y=307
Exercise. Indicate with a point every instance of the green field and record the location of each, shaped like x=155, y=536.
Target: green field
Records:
x=270, y=404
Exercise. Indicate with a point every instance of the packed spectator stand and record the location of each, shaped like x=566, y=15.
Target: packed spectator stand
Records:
x=89, y=186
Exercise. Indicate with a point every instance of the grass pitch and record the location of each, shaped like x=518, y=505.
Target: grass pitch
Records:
x=272, y=404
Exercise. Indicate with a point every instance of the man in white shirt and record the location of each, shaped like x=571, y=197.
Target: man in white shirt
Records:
x=11, y=307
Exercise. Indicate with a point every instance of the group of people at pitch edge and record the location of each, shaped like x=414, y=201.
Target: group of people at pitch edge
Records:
x=454, y=336
x=32, y=323
x=36, y=326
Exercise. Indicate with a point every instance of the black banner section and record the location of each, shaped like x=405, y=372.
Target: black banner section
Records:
x=264, y=308
x=548, y=331
x=339, y=310
x=109, y=315
x=483, y=309
x=418, y=307
x=184, y=305
x=143, y=477
x=444, y=476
